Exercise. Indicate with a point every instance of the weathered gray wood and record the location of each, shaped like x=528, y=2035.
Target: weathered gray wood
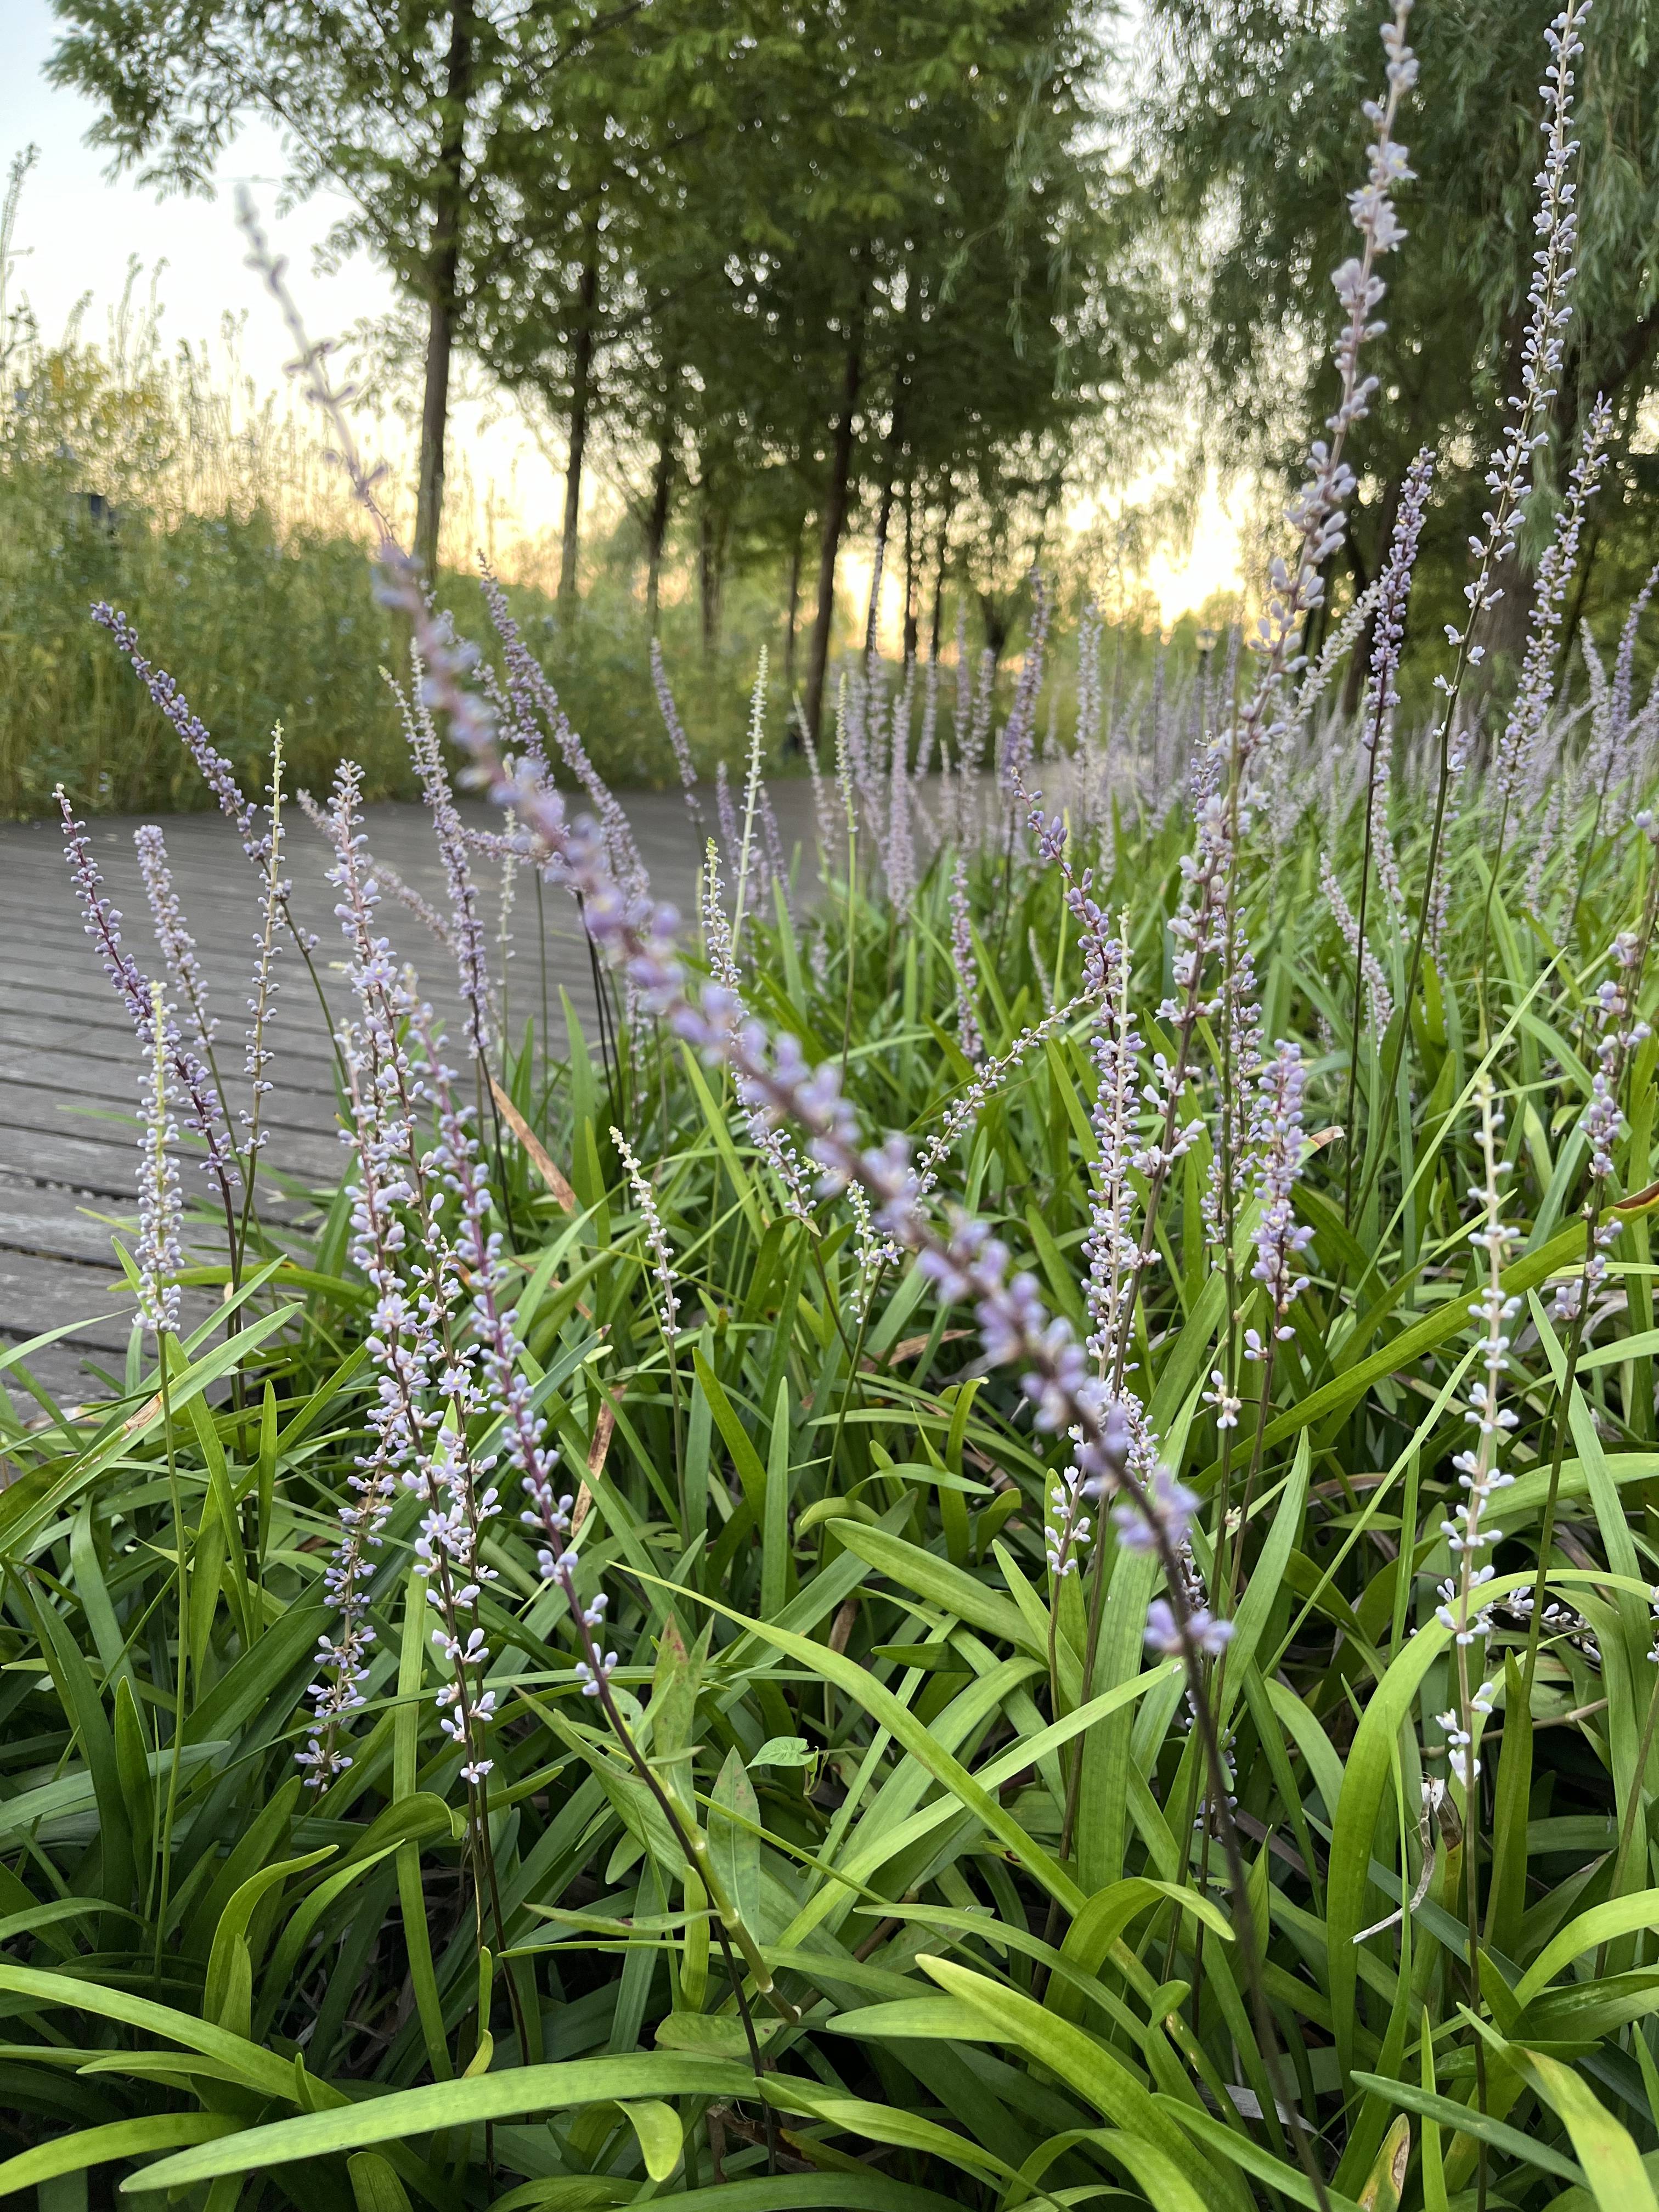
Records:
x=69, y=1072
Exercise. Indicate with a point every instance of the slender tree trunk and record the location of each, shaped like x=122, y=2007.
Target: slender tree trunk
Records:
x=581, y=401
x=656, y=527
x=891, y=447
x=705, y=575
x=912, y=598
x=443, y=270
x=713, y=527
x=891, y=453
x=835, y=514
x=884, y=525
x=795, y=608
x=939, y=569
x=997, y=619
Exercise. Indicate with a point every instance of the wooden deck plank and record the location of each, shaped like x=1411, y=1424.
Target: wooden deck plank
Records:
x=68, y=1067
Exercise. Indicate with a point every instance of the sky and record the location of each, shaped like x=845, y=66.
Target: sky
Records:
x=79, y=234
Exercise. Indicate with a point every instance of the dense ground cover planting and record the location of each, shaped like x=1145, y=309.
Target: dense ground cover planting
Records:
x=991, y=1544
x=137, y=479
x=128, y=477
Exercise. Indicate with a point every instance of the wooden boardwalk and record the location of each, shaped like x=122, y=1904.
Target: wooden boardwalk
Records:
x=70, y=1068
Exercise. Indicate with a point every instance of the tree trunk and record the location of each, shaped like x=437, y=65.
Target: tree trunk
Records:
x=713, y=529
x=891, y=445
x=912, y=600
x=656, y=526
x=940, y=568
x=998, y=619
x=835, y=515
x=443, y=270
x=795, y=610
x=581, y=400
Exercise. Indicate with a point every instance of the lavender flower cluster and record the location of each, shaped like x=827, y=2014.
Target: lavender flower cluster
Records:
x=1549, y=302
x=160, y=1254
x=1480, y=1475
x=191, y=1079
x=668, y=1298
x=1535, y=692
x=1620, y=1031
x=1280, y=1239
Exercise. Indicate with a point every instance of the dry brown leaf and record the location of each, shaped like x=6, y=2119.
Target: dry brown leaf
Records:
x=604, y=1429
x=913, y=1345
x=541, y=1160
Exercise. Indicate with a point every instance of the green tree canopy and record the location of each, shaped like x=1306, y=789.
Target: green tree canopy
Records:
x=1246, y=146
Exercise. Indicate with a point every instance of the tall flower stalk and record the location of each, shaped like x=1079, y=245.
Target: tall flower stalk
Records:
x=1508, y=476
x=159, y=1254
x=157, y=1258
x=665, y=1301
x=751, y=790
x=217, y=772
x=191, y=1082
x=1388, y=642
x=681, y=743
x=1318, y=516
x=1277, y=1137
x=1468, y=1533
x=964, y=966
x=257, y=1056
x=1536, y=692
x=1622, y=1029
x=178, y=946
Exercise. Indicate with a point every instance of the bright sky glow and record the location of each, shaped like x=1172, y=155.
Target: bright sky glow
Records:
x=80, y=235
x=1182, y=582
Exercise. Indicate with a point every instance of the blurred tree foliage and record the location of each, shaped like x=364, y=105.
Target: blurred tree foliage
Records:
x=1247, y=147
x=772, y=267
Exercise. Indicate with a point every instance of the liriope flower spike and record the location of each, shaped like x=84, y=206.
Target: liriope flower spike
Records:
x=966, y=968
x=267, y=945
x=662, y=1265
x=776, y=1145
x=1318, y=514
x=1536, y=692
x=192, y=1083
x=1376, y=988
x=1112, y=1248
x=1015, y=1329
x=216, y=771
x=1622, y=1029
x=749, y=858
x=160, y=1254
x=676, y=737
x=465, y=918
x=532, y=694
x=172, y=932
x=1480, y=1474
x=1281, y=1240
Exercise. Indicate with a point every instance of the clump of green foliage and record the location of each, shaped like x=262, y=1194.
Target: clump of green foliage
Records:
x=641, y=1653
x=821, y=1520
x=119, y=482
